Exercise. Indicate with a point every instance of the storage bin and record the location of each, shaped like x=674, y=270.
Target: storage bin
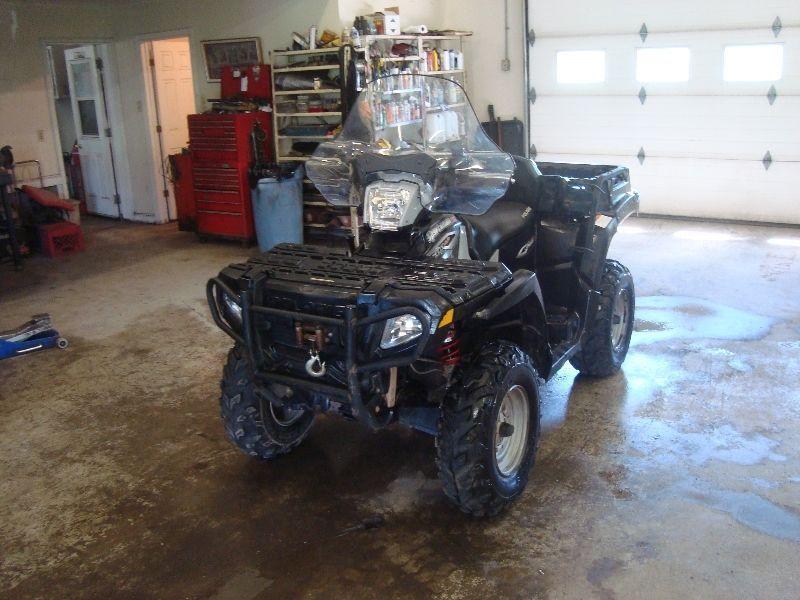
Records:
x=60, y=239
x=278, y=209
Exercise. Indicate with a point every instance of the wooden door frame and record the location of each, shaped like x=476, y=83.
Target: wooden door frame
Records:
x=149, y=117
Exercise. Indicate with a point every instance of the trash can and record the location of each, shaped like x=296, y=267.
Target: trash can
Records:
x=278, y=208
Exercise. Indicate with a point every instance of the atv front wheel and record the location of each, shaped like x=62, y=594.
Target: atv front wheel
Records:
x=252, y=423
x=608, y=329
x=489, y=431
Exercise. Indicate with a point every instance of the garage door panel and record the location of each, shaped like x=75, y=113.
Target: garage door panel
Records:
x=578, y=17
x=707, y=188
x=705, y=67
x=711, y=127
x=702, y=138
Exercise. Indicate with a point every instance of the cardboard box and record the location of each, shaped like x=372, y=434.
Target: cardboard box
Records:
x=391, y=23
x=74, y=215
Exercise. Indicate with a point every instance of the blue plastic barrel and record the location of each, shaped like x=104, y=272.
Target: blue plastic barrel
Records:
x=278, y=210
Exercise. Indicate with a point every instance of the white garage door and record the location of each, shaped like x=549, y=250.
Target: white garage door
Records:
x=699, y=98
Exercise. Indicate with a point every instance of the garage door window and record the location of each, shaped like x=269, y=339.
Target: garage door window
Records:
x=581, y=66
x=662, y=64
x=756, y=62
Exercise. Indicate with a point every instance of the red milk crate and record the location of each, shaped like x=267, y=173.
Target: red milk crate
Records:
x=60, y=239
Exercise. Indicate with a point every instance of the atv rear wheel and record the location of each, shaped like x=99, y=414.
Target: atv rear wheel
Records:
x=251, y=422
x=489, y=431
x=608, y=329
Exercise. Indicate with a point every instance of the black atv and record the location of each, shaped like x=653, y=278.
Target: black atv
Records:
x=479, y=274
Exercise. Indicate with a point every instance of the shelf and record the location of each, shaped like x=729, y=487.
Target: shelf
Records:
x=411, y=36
x=316, y=203
x=304, y=92
x=400, y=58
x=440, y=107
x=405, y=91
x=309, y=68
x=305, y=137
x=305, y=52
x=293, y=158
x=310, y=114
x=400, y=124
x=330, y=231
x=450, y=72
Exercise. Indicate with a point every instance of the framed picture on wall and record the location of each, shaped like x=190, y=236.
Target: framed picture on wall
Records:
x=236, y=52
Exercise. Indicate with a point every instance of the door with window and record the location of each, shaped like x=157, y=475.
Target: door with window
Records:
x=699, y=99
x=93, y=133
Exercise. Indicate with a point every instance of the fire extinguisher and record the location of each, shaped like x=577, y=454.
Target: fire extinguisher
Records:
x=76, y=176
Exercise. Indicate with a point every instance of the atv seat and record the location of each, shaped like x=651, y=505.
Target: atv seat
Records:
x=502, y=222
x=511, y=215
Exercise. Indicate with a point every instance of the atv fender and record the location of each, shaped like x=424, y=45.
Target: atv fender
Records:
x=523, y=284
x=519, y=317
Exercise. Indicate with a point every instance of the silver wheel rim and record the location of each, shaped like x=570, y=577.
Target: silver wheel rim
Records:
x=509, y=450
x=619, y=319
x=285, y=416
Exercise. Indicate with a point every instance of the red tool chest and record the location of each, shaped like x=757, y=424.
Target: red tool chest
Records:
x=222, y=153
x=181, y=175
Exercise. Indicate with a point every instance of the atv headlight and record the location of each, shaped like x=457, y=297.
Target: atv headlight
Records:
x=233, y=309
x=400, y=330
x=388, y=203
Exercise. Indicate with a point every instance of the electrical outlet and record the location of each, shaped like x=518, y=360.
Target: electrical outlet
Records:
x=138, y=106
x=505, y=64
x=40, y=134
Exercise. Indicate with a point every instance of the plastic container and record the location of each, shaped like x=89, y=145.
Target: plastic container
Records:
x=60, y=239
x=278, y=209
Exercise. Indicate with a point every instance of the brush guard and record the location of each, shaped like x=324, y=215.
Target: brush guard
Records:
x=349, y=325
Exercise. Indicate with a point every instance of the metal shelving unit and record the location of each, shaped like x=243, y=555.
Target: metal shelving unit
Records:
x=296, y=61
x=440, y=42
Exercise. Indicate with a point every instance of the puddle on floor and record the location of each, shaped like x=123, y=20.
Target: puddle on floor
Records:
x=661, y=442
x=751, y=510
x=662, y=318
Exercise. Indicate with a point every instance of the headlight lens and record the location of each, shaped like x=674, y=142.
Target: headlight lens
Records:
x=400, y=330
x=232, y=308
x=387, y=204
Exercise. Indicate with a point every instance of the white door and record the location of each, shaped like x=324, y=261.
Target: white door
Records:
x=701, y=100
x=91, y=126
x=172, y=74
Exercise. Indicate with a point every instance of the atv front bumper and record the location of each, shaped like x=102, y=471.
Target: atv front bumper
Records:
x=352, y=298
x=349, y=325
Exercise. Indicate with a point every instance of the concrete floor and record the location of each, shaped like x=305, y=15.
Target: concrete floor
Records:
x=679, y=477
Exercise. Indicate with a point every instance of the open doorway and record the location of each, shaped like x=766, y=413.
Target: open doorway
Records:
x=80, y=83
x=170, y=100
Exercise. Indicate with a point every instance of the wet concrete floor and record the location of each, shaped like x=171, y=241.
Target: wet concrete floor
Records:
x=679, y=477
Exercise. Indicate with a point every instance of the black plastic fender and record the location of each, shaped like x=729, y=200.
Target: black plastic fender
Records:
x=519, y=317
x=523, y=284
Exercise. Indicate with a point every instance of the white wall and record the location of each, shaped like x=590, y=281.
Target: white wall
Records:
x=25, y=112
x=487, y=83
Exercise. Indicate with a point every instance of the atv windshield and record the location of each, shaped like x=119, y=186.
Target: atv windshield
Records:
x=421, y=126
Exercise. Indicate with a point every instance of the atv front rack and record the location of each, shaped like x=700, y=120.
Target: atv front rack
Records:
x=348, y=297
x=350, y=324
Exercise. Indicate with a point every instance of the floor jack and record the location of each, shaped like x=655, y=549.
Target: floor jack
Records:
x=36, y=334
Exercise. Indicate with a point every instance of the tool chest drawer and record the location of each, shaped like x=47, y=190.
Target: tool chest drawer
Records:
x=220, y=178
